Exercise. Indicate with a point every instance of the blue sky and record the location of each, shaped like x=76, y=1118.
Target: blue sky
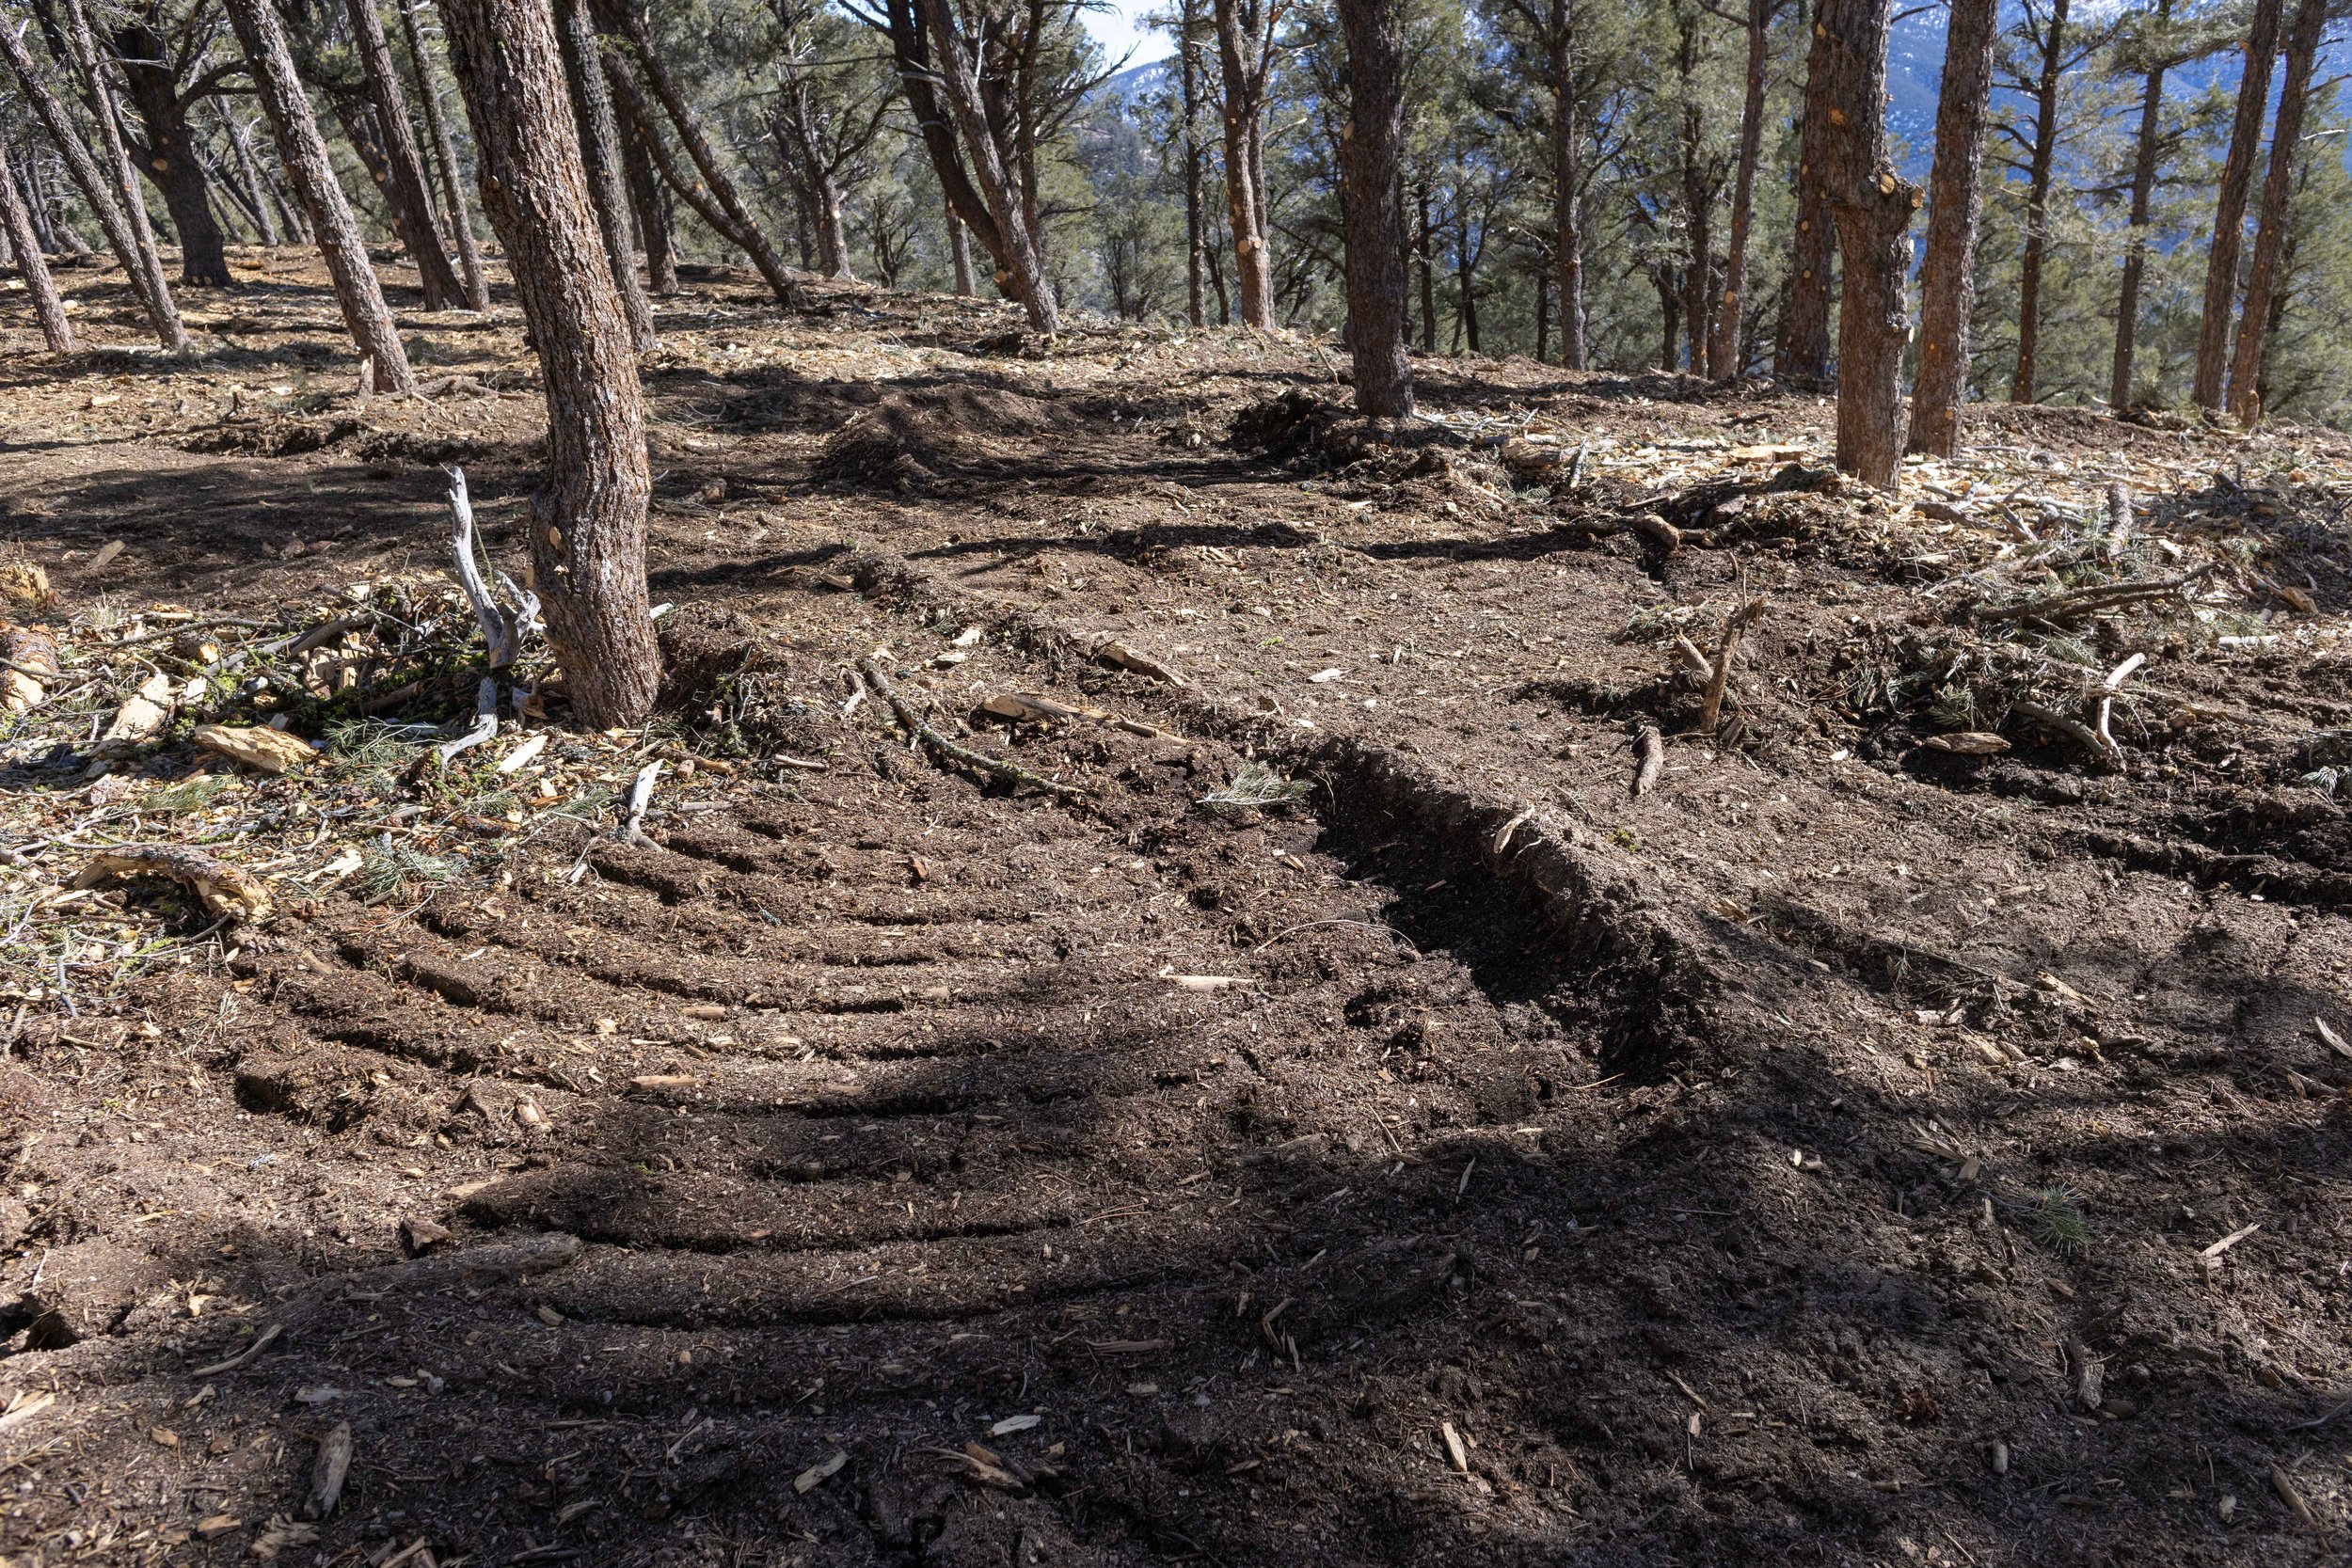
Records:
x=1119, y=27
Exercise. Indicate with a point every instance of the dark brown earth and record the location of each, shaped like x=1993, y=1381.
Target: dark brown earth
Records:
x=1734, y=1171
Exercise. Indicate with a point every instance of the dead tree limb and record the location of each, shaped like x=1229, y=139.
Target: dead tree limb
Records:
x=915, y=725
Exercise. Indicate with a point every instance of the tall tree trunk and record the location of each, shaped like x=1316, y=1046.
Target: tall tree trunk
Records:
x=241, y=158
x=171, y=157
x=1955, y=208
x=1020, y=257
x=588, y=516
x=1802, y=354
x=601, y=147
x=1242, y=64
x=1727, y=353
x=2229, y=222
x=1195, y=297
x=2270, y=235
x=1466, y=278
x=1697, y=296
x=404, y=168
x=1372, y=148
x=102, y=100
x=959, y=250
x=303, y=151
x=107, y=208
x=445, y=162
x=2038, y=205
x=2135, y=249
x=56, y=330
x=1567, y=180
x=1669, y=289
x=1424, y=257
x=27, y=171
x=652, y=209
x=1872, y=205
x=911, y=57
x=736, y=225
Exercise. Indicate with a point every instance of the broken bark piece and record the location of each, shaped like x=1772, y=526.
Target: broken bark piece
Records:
x=227, y=892
x=264, y=750
x=327, y=1471
x=1650, y=526
x=419, y=1234
x=141, y=717
x=1143, y=664
x=24, y=588
x=1968, y=743
x=1649, y=752
x=31, y=657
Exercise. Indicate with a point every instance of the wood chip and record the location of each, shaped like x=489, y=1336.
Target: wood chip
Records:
x=141, y=717
x=2332, y=1040
x=2230, y=1240
x=665, y=1080
x=262, y=749
x=820, y=1472
x=327, y=1471
x=261, y=1341
x=2284, y=1484
x=1454, y=1446
x=1011, y=1424
x=1968, y=743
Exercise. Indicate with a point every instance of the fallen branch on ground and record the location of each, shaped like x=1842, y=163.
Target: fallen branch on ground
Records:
x=915, y=725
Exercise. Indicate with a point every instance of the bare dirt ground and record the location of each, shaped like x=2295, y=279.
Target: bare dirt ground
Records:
x=1861, y=1146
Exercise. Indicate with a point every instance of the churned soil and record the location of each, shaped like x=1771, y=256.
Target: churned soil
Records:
x=1356, y=1126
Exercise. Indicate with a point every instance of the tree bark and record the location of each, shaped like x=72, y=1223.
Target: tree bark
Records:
x=1726, y=355
x=241, y=159
x=445, y=163
x=56, y=330
x=2229, y=222
x=303, y=151
x=1955, y=209
x=1567, y=181
x=2135, y=249
x=2053, y=45
x=588, y=516
x=1243, y=40
x=2262, y=279
x=652, y=209
x=737, y=225
x=102, y=100
x=404, y=167
x=601, y=147
x=1802, y=352
x=1019, y=255
x=1372, y=148
x=1871, y=205
x=107, y=208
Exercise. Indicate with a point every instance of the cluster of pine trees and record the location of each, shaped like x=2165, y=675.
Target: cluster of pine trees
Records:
x=1619, y=186
x=1684, y=183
